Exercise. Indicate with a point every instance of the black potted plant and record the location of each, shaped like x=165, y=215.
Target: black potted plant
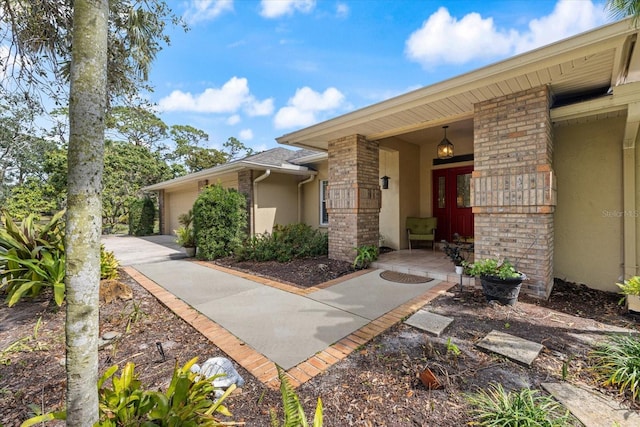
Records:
x=456, y=254
x=500, y=279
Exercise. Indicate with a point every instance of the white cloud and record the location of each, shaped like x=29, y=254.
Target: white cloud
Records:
x=246, y=135
x=260, y=108
x=444, y=39
x=565, y=20
x=342, y=10
x=278, y=8
x=206, y=10
x=230, y=98
x=304, y=107
x=233, y=120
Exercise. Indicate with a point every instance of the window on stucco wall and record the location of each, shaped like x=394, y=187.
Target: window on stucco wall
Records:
x=324, y=216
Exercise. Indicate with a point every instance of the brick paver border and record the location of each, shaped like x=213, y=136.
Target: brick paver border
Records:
x=256, y=363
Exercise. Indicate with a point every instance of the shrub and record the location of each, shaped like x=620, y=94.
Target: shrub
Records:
x=617, y=362
x=285, y=243
x=32, y=258
x=142, y=214
x=219, y=221
x=496, y=407
x=186, y=402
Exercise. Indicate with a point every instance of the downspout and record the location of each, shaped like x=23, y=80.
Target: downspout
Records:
x=300, y=184
x=262, y=177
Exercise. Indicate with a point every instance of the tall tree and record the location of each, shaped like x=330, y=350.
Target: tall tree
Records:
x=87, y=105
x=137, y=125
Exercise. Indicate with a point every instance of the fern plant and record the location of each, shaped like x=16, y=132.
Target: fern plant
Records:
x=294, y=415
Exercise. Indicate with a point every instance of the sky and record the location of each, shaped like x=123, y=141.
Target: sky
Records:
x=256, y=70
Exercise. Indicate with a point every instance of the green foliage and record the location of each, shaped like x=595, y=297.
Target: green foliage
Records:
x=365, y=255
x=30, y=196
x=142, y=215
x=630, y=286
x=452, y=348
x=32, y=258
x=285, y=243
x=108, y=264
x=127, y=168
x=186, y=402
x=185, y=237
x=219, y=221
x=294, y=415
x=493, y=267
x=617, y=362
x=496, y=407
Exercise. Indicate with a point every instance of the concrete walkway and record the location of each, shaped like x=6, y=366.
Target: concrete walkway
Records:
x=260, y=323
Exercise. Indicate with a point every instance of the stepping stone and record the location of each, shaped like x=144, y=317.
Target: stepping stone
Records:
x=429, y=322
x=516, y=349
x=590, y=408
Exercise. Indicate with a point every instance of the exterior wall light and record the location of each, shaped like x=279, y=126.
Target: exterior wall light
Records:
x=385, y=182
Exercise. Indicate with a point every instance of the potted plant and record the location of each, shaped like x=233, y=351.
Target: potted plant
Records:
x=185, y=236
x=631, y=291
x=500, y=280
x=455, y=254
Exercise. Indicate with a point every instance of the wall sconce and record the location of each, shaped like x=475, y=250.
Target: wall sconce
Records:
x=445, y=148
x=385, y=182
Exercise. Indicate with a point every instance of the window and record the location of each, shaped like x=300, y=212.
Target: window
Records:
x=324, y=216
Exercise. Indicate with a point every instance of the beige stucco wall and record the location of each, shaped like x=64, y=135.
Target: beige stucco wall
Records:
x=390, y=198
x=179, y=200
x=310, y=196
x=277, y=201
x=588, y=218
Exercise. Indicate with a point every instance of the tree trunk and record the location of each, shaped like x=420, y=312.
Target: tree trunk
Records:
x=87, y=104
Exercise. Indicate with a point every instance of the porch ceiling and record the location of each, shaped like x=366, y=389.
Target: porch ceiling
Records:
x=593, y=61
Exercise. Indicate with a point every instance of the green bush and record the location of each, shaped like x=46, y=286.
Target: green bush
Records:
x=284, y=244
x=142, y=214
x=188, y=401
x=617, y=362
x=219, y=221
x=496, y=407
x=32, y=258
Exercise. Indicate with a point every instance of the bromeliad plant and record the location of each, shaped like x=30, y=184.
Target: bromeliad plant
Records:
x=32, y=257
x=188, y=401
x=365, y=255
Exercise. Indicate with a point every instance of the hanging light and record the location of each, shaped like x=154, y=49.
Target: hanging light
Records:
x=445, y=148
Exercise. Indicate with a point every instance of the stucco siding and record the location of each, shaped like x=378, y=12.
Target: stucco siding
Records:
x=310, y=197
x=588, y=218
x=277, y=200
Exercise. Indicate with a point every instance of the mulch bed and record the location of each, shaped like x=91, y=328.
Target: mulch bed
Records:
x=375, y=386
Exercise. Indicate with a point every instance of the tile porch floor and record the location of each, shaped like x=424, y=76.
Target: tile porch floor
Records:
x=421, y=262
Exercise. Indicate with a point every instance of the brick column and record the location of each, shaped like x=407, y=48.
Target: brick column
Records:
x=513, y=185
x=245, y=186
x=353, y=195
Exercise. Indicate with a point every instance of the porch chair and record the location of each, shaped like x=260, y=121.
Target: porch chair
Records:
x=422, y=229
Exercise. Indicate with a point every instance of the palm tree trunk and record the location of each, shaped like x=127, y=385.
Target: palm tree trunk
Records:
x=87, y=104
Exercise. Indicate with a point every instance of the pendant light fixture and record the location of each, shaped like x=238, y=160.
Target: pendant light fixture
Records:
x=445, y=148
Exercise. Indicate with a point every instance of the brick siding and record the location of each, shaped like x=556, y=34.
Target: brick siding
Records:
x=353, y=195
x=513, y=184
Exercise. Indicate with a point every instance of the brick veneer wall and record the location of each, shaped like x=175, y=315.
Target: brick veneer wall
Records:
x=513, y=185
x=353, y=195
x=245, y=186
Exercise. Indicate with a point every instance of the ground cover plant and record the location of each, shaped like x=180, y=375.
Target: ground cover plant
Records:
x=284, y=243
x=617, y=362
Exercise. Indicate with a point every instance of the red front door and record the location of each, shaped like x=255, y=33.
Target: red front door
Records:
x=452, y=202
